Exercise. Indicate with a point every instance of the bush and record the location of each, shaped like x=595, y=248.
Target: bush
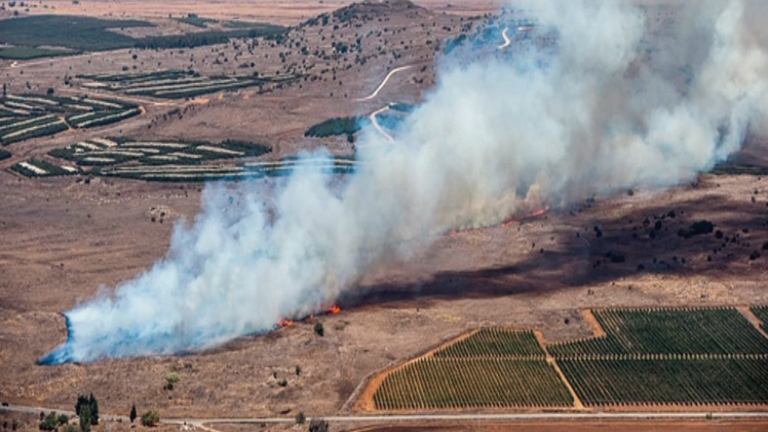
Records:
x=319, y=329
x=63, y=419
x=87, y=408
x=318, y=425
x=337, y=126
x=697, y=228
x=301, y=418
x=50, y=422
x=150, y=418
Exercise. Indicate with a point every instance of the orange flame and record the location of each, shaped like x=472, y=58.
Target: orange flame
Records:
x=334, y=310
x=284, y=322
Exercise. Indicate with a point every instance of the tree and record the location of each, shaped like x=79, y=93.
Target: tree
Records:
x=63, y=419
x=51, y=91
x=133, y=413
x=150, y=418
x=87, y=408
x=301, y=418
x=50, y=422
x=318, y=425
x=319, y=329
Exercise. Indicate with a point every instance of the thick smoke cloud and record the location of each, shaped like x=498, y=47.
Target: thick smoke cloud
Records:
x=605, y=101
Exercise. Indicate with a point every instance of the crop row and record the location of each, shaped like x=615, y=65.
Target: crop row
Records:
x=42, y=168
x=101, y=118
x=495, y=342
x=103, y=152
x=172, y=84
x=31, y=128
x=761, y=312
x=668, y=331
x=435, y=383
x=680, y=382
x=169, y=170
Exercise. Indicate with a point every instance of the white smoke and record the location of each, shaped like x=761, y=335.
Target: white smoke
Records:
x=603, y=104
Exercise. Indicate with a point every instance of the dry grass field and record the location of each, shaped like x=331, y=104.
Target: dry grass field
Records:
x=66, y=238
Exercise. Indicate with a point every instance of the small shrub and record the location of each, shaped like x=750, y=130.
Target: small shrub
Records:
x=318, y=425
x=50, y=422
x=319, y=330
x=150, y=418
x=301, y=418
x=697, y=228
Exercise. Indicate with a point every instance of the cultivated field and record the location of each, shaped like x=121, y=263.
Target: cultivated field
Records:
x=97, y=174
x=644, y=357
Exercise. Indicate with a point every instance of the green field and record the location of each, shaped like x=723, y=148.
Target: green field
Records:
x=83, y=34
x=29, y=53
x=440, y=383
x=608, y=382
x=337, y=126
x=175, y=84
x=42, y=168
x=74, y=32
x=761, y=312
x=28, y=116
x=494, y=367
x=663, y=356
x=195, y=20
x=668, y=331
x=495, y=342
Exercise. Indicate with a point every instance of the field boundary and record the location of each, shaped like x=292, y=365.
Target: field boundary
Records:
x=366, y=403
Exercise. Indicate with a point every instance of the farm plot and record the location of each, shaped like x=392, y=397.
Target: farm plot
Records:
x=492, y=368
x=610, y=382
x=175, y=84
x=29, y=116
x=495, y=342
x=172, y=170
x=42, y=168
x=722, y=331
x=761, y=312
x=440, y=383
x=107, y=152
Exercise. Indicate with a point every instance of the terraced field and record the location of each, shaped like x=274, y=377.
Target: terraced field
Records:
x=27, y=116
x=492, y=368
x=175, y=84
x=42, y=168
x=174, y=161
x=647, y=357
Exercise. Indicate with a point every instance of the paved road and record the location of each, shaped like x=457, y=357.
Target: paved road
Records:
x=201, y=422
x=383, y=83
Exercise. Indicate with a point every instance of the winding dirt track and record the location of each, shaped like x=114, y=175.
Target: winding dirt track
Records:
x=507, y=41
x=384, y=83
x=375, y=123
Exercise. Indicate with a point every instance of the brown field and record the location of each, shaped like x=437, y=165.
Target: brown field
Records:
x=64, y=239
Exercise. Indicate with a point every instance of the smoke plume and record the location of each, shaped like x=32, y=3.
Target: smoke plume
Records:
x=600, y=97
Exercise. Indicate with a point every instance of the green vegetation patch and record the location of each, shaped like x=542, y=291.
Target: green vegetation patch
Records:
x=495, y=342
x=75, y=32
x=42, y=168
x=761, y=312
x=609, y=382
x=175, y=84
x=337, y=126
x=5, y=154
x=194, y=20
x=721, y=331
x=28, y=53
x=447, y=383
x=209, y=37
